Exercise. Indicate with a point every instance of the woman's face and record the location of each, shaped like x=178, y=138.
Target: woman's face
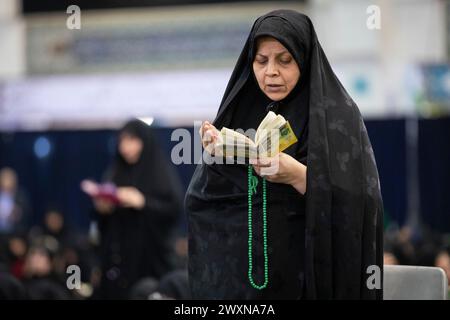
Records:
x=275, y=68
x=130, y=147
x=8, y=180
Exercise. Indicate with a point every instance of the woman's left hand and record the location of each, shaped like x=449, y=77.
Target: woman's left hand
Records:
x=131, y=197
x=282, y=169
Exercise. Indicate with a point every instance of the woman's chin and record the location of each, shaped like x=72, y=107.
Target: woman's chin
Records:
x=276, y=96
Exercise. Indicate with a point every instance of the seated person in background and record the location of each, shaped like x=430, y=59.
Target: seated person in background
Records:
x=442, y=260
x=40, y=279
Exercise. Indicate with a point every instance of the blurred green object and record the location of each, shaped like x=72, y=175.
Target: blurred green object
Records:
x=432, y=96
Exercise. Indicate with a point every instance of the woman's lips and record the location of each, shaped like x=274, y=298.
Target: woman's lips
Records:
x=274, y=88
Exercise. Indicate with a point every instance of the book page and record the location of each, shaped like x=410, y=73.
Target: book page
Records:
x=234, y=137
x=235, y=144
x=275, y=137
x=272, y=122
x=264, y=125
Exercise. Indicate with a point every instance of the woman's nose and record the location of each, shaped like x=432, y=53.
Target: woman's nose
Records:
x=271, y=69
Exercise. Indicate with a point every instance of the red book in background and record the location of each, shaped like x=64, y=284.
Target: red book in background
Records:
x=104, y=191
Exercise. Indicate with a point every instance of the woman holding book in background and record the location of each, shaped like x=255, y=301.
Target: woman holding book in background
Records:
x=310, y=229
x=135, y=229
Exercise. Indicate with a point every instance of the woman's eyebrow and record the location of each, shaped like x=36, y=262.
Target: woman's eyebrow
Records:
x=277, y=54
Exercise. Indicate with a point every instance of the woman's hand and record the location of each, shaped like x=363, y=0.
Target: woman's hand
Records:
x=282, y=169
x=130, y=197
x=210, y=136
x=103, y=207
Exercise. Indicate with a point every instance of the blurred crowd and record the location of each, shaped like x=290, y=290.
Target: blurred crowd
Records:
x=34, y=259
x=420, y=246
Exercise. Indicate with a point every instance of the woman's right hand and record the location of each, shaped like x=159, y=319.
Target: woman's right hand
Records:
x=209, y=135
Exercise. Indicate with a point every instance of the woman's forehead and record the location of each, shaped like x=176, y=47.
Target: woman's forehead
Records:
x=271, y=44
x=128, y=135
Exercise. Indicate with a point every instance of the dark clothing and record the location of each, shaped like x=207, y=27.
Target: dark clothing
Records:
x=230, y=218
x=221, y=257
x=46, y=288
x=135, y=243
x=11, y=288
x=175, y=285
x=321, y=242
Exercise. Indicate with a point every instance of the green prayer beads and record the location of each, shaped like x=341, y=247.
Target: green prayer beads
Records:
x=252, y=184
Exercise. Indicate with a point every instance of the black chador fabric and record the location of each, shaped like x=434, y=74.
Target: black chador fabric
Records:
x=135, y=243
x=321, y=243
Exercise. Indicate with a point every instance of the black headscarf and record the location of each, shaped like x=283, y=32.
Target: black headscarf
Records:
x=153, y=174
x=344, y=210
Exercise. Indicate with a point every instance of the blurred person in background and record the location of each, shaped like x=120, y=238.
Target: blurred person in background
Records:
x=144, y=289
x=389, y=258
x=66, y=246
x=172, y=286
x=442, y=260
x=40, y=279
x=175, y=285
x=14, y=204
x=135, y=231
x=399, y=247
x=14, y=213
x=54, y=231
x=11, y=288
x=17, y=250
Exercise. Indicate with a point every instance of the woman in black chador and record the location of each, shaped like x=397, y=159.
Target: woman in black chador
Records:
x=324, y=211
x=135, y=234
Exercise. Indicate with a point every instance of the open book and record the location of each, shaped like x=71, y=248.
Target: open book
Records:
x=274, y=134
x=105, y=191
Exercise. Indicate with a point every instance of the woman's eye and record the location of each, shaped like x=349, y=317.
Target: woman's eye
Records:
x=286, y=61
x=261, y=61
